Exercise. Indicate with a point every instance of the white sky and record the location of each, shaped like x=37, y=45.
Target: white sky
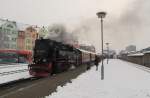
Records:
x=122, y=21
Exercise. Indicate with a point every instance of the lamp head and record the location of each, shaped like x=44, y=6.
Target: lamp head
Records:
x=101, y=14
x=107, y=43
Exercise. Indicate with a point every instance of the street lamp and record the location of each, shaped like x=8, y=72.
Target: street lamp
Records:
x=107, y=44
x=102, y=15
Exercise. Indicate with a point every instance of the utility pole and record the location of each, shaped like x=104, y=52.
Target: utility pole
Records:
x=107, y=45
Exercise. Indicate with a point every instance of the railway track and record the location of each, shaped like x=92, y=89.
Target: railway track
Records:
x=13, y=85
x=38, y=88
x=13, y=72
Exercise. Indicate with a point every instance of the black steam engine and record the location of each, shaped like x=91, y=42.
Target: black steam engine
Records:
x=51, y=57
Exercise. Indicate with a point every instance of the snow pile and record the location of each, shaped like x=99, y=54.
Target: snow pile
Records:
x=122, y=80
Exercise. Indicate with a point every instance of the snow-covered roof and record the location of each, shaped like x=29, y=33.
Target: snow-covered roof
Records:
x=2, y=22
x=136, y=54
x=146, y=52
x=21, y=26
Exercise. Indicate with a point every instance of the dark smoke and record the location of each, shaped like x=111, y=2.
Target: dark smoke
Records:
x=59, y=33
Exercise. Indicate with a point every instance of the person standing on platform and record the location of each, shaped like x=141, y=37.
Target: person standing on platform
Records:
x=97, y=60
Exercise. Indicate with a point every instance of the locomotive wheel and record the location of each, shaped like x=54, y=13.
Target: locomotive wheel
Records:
x=58, y=68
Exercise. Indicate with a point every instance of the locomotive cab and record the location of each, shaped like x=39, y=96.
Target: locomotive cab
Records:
x=43, y=51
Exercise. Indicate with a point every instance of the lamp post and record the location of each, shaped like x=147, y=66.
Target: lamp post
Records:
x=102, y=15
x=107, y=44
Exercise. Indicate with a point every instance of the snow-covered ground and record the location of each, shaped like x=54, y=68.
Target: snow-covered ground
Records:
x=13, y=72
x=122, y=80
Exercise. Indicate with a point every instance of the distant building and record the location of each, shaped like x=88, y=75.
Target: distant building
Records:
x=131, y=48
x=26, y=37
x=43, y=32
x=8, y=34
x=30, y=37
x=109, y=53
x=21, y=40
x=17, y=35
x=146, y=49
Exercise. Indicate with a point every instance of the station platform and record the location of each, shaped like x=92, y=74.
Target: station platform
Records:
x=121, y=80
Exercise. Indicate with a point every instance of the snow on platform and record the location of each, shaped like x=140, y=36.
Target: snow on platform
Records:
x=122, y=80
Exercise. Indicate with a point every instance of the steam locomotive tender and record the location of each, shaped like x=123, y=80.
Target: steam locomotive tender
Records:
x=51, y=57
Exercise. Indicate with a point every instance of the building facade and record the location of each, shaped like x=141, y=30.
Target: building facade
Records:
x=43, y=32
x=30, y=37
x=8, y=34
x=17, y=35
x=131, y=48
x=21, y=40
x=26, y=37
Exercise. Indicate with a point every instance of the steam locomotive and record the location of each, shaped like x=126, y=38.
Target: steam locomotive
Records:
x=51, y=57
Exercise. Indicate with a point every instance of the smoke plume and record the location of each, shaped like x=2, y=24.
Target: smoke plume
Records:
x=130, y=28
x=59, y=33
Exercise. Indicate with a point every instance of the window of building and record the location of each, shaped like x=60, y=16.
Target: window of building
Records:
x=14, y=39
x=28, y=47
x=28, y=41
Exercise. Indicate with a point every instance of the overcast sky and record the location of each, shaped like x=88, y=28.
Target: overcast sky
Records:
x=127, y=21
x=49, y=11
